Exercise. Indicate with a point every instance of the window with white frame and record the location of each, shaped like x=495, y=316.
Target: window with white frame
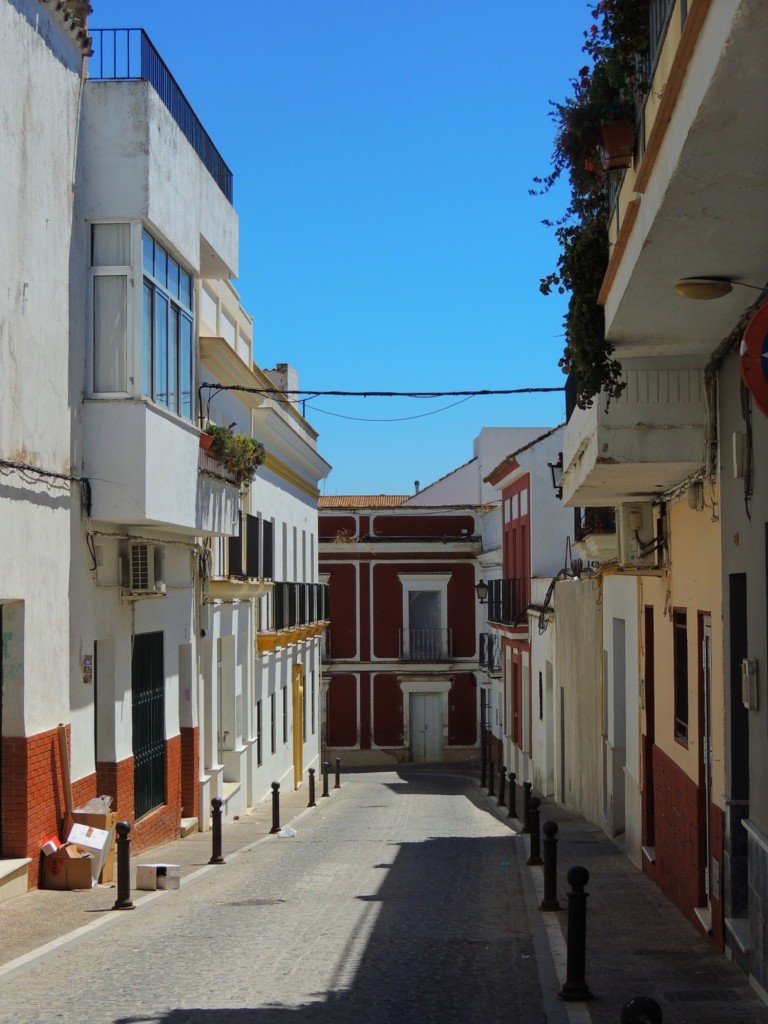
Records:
x=425, y=616
x=167, y=363
x=110, y=272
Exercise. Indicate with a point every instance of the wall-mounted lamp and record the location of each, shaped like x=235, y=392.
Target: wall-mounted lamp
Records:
x=481, y=589
x=709, y=287
x=556, y=469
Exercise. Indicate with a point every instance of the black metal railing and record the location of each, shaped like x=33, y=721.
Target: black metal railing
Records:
x=426, y=644
x=299, y=604
x=490, y=652
x=660, y=14
x=508, y=600
x=587, y=521
x=127, y=54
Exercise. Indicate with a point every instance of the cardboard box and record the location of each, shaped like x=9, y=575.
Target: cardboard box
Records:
x=158, y=876
x=68, y=868
x=91, y=840
x=106, y=822
x=50, y=845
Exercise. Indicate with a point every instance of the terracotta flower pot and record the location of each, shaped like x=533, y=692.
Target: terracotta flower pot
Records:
x=617, y=145
x=206, y=440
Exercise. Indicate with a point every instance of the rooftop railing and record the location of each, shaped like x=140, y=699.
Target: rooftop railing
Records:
x=127, y=54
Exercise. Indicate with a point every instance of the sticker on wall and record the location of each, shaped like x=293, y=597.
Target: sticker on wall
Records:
x=754, y=358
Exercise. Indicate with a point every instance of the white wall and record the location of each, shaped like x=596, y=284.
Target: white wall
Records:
x=39, y=97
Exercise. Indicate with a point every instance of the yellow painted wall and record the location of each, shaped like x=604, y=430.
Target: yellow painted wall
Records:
x=692, y=583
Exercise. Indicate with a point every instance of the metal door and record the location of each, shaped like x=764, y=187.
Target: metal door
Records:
x=426, y=727
x=148, y=700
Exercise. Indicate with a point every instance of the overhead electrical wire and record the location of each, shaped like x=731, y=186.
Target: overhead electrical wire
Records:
x=391, y=419
x=310, y=394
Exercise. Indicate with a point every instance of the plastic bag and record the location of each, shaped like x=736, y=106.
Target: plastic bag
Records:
x=287, y=833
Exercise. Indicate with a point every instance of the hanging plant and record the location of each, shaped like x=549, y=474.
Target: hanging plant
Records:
x=604, y=93
x=239, y=453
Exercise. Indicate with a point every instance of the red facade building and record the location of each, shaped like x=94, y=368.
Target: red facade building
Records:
x=401, y=655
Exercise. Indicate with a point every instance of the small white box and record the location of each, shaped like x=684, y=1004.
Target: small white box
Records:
x=158, y=876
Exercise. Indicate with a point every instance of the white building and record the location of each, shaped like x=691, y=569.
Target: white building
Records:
x=139, y=578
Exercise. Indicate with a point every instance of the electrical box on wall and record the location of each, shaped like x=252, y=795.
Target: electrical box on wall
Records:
x=635, y=534
x=749, y=684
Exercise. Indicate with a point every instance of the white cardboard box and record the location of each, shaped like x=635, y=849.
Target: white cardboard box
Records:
x=158, y=876
x=95, y=841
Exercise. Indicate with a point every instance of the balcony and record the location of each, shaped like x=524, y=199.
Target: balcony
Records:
x=489, y=645
x=692, y=205
x=426, y=644
x=647, y=441
x=594, y=534
x=146, y=469
x=508, y=601
x=125, y=54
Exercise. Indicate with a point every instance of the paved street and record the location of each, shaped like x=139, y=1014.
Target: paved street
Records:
x=401, y=898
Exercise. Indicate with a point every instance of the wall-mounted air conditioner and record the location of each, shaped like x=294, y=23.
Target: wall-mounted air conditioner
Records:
x=143, y=571
x=635, y=534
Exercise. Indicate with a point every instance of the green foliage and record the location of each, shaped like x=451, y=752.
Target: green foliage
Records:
x=239, y=453
x=606, y=91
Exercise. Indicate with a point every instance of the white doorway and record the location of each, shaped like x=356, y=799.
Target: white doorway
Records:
x=426, y=733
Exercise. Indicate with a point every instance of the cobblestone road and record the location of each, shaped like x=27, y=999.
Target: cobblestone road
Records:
x=399, y=899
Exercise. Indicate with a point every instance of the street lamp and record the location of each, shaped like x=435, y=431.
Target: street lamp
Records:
x=481, y=589
x=556, y=469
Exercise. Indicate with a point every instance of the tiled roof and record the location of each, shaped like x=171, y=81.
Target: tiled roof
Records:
x=362, y=500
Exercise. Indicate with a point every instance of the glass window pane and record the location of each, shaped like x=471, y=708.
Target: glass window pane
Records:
x=186, y=368
x=148, y=253
x=173, y=341
x=110, y=312
x=111, y=245
x=146, y=342
x=173, y=277
x=161, y=265
x=160, y=351
x=185, y=289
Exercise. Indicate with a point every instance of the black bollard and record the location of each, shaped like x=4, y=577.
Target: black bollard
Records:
x=533, y=816
x=512, y=796
x=502, y=780
x=337, y=784
x=216, y=854
x=275, y=808
x=326, y=766
x=550, y=901
x=491, y=770
x=575, y=987
x=311, y=788
x=641, y=1010
x=527, y=787
x=123, y=901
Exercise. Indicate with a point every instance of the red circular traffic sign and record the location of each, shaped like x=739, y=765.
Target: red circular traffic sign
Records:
x=754, y=358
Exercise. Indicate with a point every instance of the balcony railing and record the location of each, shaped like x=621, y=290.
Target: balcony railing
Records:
x=490, y=652
x=299, y=604
x=126, y=54
x=508, y=600
x=212, y=467
x=424, y=644
x=593, y=520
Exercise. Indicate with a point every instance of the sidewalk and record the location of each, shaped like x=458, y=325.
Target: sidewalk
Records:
x=46, y=917
x=637, y=942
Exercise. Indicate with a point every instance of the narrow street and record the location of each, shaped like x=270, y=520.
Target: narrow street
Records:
x=399, y=899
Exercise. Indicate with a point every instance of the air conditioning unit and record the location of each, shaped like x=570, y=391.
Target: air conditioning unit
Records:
x=143, y=572
x=635, y=534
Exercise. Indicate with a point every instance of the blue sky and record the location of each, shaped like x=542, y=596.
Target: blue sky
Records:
x=382, y=153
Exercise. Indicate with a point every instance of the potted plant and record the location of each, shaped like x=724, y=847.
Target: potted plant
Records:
x=239, y=453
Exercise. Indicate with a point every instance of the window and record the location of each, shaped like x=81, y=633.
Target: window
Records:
x=259, y=751
x=110, y=269
x=313, y=703
x=167, y=375
x=680, y=625
x=425, y=634
x=273, y=720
